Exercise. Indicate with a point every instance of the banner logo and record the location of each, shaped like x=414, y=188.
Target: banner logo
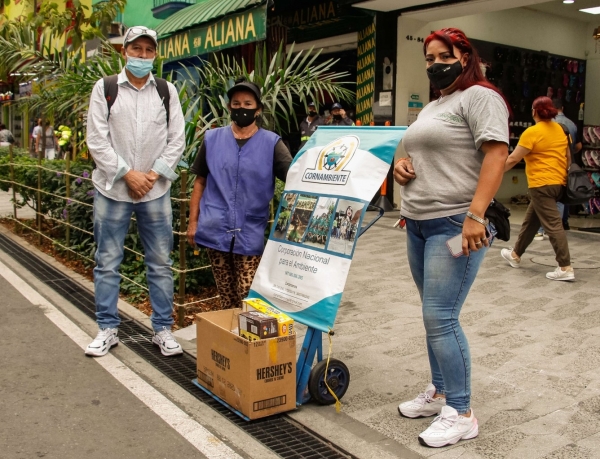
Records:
x=329, y=168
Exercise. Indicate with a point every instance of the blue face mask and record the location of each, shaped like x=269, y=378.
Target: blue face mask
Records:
x=139, y=67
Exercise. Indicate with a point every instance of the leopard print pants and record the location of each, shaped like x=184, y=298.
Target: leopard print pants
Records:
x=233, y=274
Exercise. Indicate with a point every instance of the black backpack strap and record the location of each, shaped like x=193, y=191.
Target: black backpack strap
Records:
x=111, y=90
x=163, y=91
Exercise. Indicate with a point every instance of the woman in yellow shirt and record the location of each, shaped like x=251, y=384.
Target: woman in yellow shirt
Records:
x=545, y=149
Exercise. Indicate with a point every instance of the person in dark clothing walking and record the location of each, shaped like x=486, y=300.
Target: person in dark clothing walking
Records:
x=309, y=125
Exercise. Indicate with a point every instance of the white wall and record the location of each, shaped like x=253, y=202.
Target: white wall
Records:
x=518, y=27
x=524, y=28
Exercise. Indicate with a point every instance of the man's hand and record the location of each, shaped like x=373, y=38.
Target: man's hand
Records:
x=404, y=171
x=343, y=112
x=138, y=183
x=152, y=176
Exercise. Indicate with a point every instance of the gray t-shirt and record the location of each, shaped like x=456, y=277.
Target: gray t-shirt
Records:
x=444, y=147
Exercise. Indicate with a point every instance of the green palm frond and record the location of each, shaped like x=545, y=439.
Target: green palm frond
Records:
x=288, y=81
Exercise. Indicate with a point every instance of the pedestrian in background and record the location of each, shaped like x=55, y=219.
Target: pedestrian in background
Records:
x=544, y=147
x=576, y=146
x=6, y=137
x=136, y=150
x=50, y=141
x=339, y=116
x=457, y=148
x=309, y=125
x=37, y=131
x=235, y=169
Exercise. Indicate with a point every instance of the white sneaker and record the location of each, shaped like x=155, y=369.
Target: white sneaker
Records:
x=105, y=339
x=167, y=342
x=507, y=255
x=422, y=406
x=448, y=428
x=560, y=275
x=538, y=237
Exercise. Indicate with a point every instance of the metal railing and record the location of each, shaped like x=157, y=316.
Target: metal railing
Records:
x=66, y=227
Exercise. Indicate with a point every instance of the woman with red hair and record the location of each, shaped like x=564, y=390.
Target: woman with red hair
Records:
x=456, y=154
x=545, y=149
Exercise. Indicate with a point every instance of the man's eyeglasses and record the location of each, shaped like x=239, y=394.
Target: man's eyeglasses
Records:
x=139, y=31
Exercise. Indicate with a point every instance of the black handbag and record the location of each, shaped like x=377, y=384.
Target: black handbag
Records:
x=497, y=213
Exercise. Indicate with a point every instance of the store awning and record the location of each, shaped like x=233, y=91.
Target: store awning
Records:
x=202, y=12
x=210, y=26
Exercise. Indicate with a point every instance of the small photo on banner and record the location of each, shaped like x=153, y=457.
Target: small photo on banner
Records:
x=287, y=202
x=300, y=217
x=320, y=223
x=345, y=228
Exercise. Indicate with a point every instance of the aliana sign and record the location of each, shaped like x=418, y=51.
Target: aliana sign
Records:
x=234, y=30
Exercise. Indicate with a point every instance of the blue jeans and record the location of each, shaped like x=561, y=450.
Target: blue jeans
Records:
x=111, y=223
x=443, y=283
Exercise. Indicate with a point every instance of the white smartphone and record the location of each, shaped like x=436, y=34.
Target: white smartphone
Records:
x=455, y=245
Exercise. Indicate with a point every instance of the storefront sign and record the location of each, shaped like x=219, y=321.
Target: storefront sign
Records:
x=25, y=89
x=309, y=16
x=385, y=99
x=365, y=84
x=234, y=30
x=414, y=108
x=307, y=258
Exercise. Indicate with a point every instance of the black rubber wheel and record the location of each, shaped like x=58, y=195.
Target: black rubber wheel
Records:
x=338, y=379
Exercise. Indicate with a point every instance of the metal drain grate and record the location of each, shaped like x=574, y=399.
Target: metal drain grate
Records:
x=279, y=433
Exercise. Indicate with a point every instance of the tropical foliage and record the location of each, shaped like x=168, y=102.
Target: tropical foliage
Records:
x=64, y=82
x=72, y=24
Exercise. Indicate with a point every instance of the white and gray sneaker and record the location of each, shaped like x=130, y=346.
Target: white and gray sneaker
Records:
x=167, y=342
x=507, y=255
x=560, y=275
x=422, y=406
x=448, y=428
x=104, y=340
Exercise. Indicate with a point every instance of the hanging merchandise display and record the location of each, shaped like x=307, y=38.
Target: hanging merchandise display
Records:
x=590, y=158
x=523, y=75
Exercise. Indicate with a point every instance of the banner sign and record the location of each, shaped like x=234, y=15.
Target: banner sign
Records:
x=329, y=185
x=233, y=30
x=365, y=76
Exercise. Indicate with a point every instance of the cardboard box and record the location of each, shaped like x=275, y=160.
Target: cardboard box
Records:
x=257, y=378
x=254, y=325
x=285, y=324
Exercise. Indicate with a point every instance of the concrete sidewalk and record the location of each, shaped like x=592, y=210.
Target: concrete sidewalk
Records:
x=56, y=403
x=535, y=345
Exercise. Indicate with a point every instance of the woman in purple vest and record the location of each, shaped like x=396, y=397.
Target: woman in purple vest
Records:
x=235, y=169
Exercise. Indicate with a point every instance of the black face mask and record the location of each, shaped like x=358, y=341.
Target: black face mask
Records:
x=312, y=113
x=337, y=117
x=443, y=75
x=243, y=117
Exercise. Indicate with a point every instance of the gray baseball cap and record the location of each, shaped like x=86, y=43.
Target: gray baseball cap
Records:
x=133, y=33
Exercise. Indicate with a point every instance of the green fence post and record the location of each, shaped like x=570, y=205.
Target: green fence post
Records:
x=182, y=242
